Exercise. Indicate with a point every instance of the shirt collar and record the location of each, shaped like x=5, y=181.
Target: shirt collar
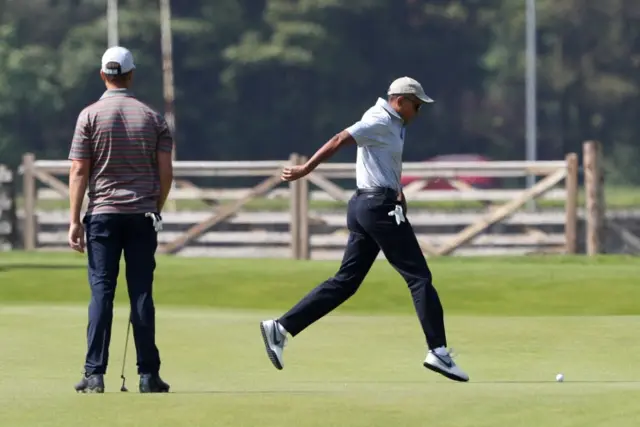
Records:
x=388, y=108
x=116, y=92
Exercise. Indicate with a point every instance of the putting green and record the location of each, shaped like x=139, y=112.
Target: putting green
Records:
x=515, y=324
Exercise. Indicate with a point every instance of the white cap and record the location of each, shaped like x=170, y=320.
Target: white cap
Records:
x=120, y=56
x=408, y=86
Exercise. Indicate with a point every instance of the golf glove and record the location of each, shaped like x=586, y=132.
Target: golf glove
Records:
x=157, y=220
x=398, y=214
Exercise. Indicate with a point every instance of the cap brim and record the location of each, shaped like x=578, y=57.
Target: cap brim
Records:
x=424, y=98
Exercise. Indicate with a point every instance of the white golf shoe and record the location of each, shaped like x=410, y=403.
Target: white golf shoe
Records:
x=275, y=339
x=440, y=361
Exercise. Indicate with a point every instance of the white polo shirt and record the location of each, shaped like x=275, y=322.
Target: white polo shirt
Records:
x=380, y=137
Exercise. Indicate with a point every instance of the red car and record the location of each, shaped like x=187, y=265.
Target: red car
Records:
x=443, y=184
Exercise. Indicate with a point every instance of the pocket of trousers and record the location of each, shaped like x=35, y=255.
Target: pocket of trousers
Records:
x=374, y=201
x=379, y=203
x=96, y=226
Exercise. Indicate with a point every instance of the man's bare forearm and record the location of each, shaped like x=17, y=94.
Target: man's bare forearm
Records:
x=166, y=180
x=325, y=152
x=328, y=150
x=165, y=189
x=77, y=187
x=165, y=174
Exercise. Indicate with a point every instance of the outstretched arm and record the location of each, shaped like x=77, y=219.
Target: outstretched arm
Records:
x=325, y=152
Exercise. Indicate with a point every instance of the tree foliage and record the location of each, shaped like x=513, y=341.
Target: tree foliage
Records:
x=258, y=79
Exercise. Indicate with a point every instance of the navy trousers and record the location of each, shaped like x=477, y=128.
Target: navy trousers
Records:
x=107, y=237
x=372, y=229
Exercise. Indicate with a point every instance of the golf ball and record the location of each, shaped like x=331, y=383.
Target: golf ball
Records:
x=559, y=378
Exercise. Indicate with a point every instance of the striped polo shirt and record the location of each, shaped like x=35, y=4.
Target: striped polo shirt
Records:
x=121, y=136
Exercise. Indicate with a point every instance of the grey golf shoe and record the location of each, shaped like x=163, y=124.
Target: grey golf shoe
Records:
x=274, y=341
x=91, y=384
x=440, y=361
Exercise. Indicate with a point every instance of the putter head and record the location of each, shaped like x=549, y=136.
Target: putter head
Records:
x=123, y=389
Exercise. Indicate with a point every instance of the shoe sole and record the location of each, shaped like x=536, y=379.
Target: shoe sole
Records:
x=146, y=389
x=445, y=373
x=270, y=353
x=91, y=391
x=164, y=390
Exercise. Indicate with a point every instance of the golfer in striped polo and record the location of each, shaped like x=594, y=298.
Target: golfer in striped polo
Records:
x=376, y=220
x=121, y=151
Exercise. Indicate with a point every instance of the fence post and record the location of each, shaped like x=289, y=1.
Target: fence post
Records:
x=7, y=208
x=571, y=204
x=29, y=195
x=594, y=190
x=303, y=215
x=294, y=209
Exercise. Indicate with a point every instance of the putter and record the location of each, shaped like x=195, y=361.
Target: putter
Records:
x=124, y=358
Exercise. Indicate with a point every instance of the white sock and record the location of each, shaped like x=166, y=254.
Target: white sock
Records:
x=441, y=351
x=281, y=329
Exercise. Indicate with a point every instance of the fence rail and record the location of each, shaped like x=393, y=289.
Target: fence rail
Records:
x=183, y=193
x=303, y=231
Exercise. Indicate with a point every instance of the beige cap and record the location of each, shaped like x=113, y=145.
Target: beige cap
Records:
x=408, y=86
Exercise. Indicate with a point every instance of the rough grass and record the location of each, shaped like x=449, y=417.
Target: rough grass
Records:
x=488, y=286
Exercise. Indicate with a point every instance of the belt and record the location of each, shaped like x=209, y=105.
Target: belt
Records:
x=382, y=191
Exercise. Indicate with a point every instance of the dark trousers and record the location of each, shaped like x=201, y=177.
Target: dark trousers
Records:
x=108, y=236
x=371, y=229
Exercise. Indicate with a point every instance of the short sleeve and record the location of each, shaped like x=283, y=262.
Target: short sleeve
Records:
x=165, y=139
x=366, y=132
x=81, y=142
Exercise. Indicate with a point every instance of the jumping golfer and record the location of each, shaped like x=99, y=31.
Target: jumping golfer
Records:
x=376, y=220
x=121, y=150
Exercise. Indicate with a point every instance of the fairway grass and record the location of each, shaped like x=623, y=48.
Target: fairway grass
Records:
x=514, y=324
x=343, y=371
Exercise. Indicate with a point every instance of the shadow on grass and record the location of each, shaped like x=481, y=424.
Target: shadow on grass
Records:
x=439, y=383
x=554, y=381
x=238, y=392
x=8, y=267
x=444, y=381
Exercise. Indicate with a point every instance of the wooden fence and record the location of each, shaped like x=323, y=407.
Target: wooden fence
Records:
x=307, y=231
x=7, y=209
